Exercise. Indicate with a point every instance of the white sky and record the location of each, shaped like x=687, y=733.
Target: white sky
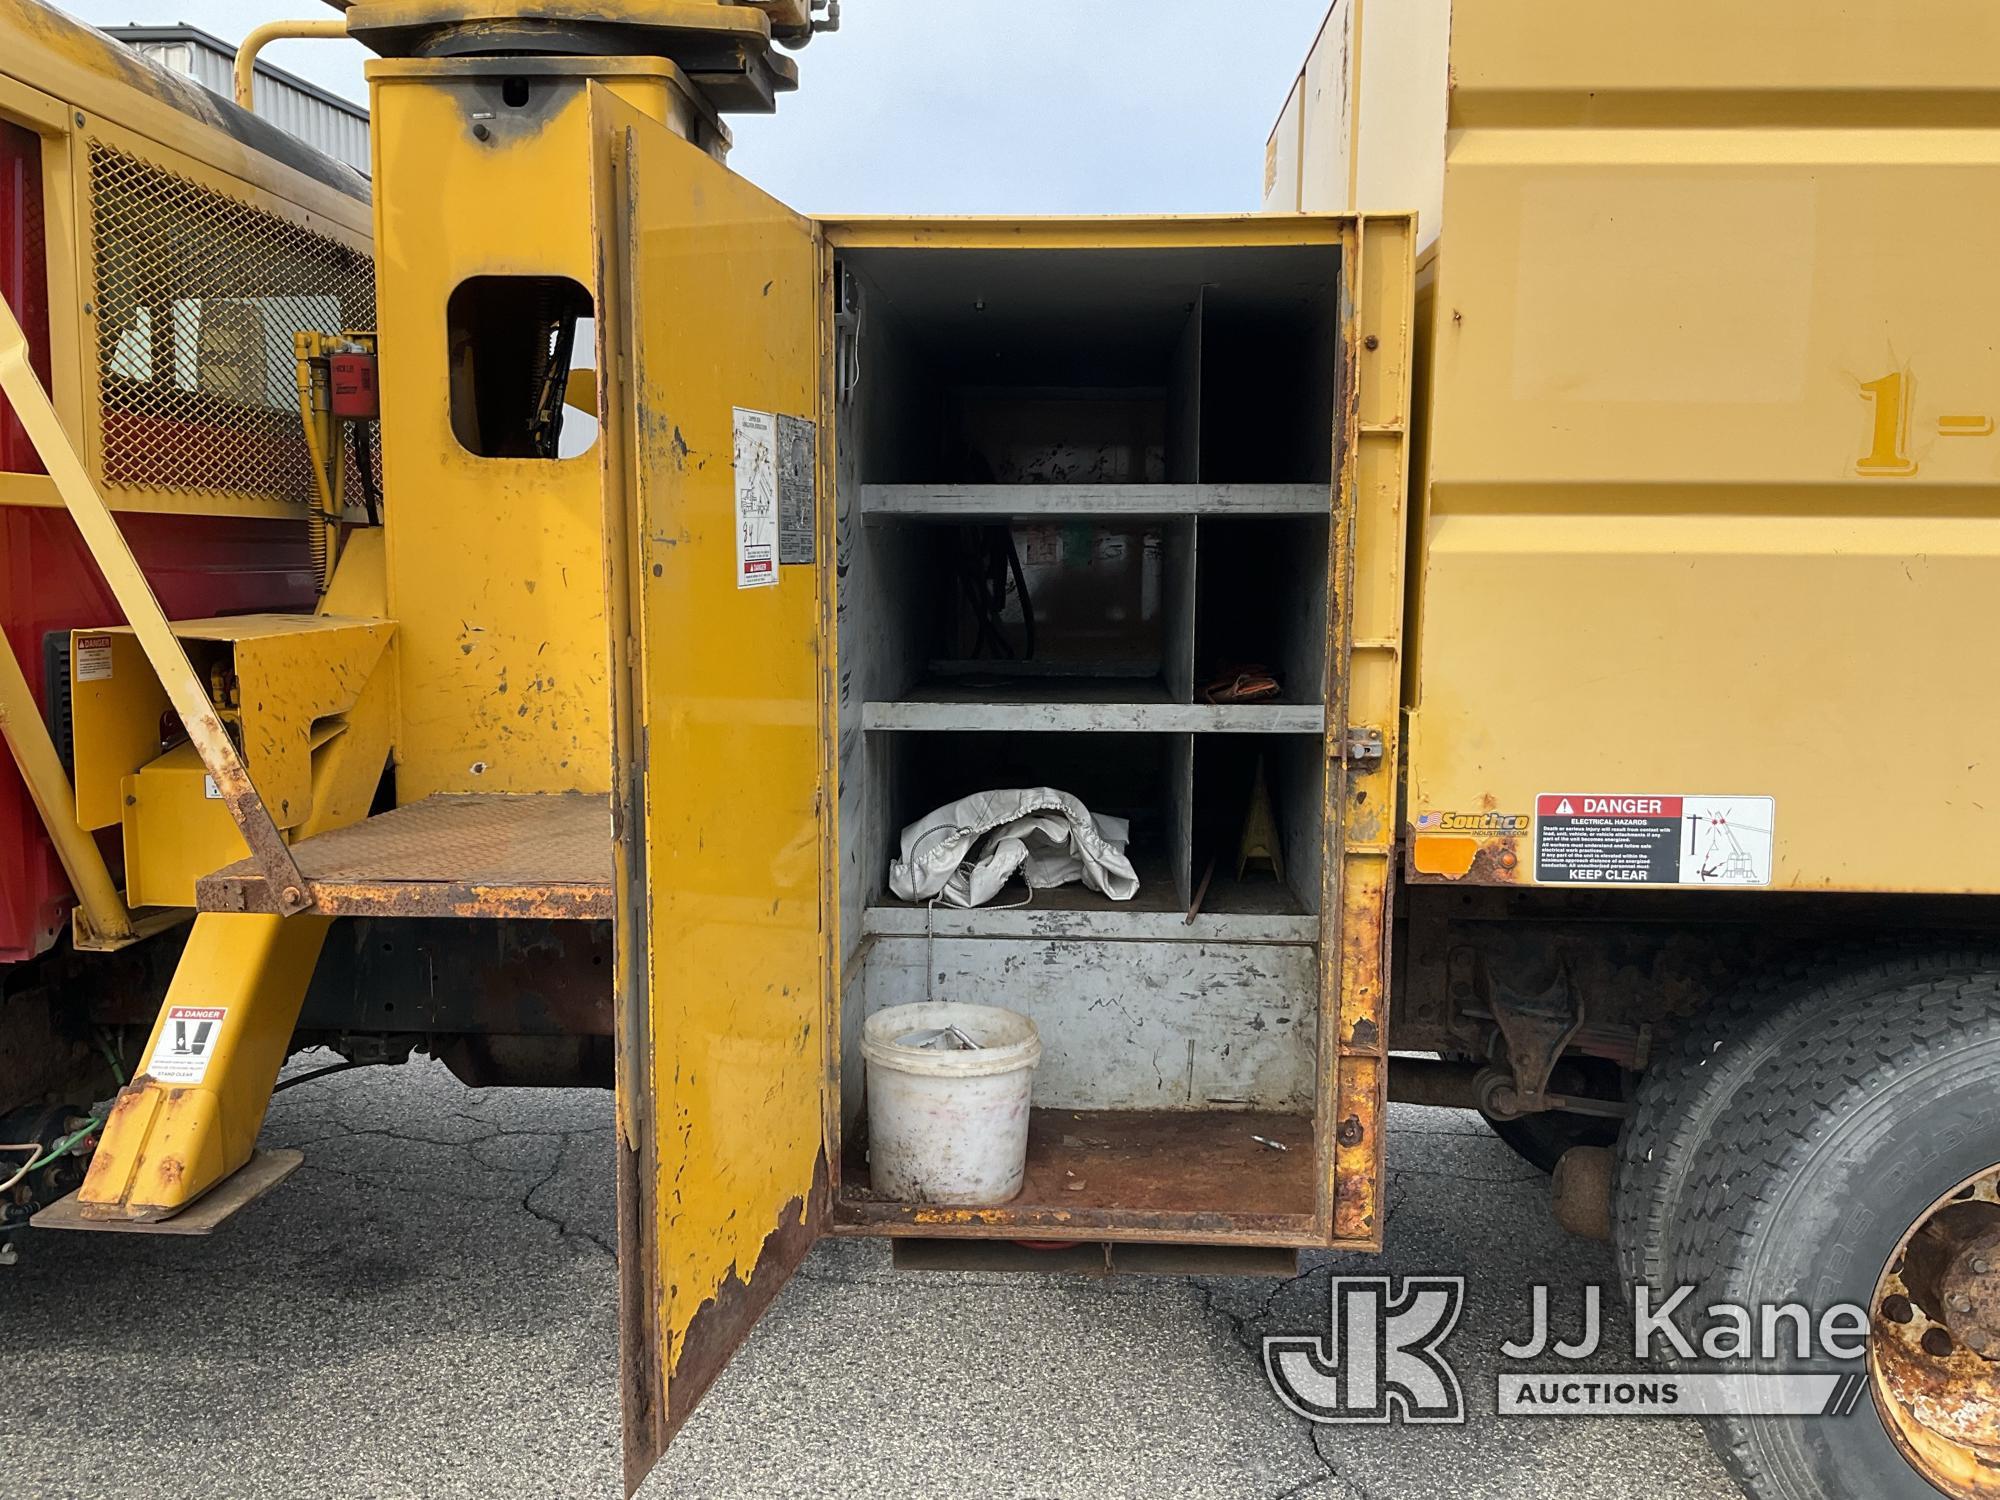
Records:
x=967, y=106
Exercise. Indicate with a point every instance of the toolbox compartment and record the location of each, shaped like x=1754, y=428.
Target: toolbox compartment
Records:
x=1077, y=489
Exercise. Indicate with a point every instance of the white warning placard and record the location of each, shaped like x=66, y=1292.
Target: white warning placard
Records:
x=756, y=450
x=1607, y=838
x=187, y=1041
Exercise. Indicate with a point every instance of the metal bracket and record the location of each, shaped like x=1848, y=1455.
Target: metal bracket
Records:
x=1536, y=1029
x=109, y=550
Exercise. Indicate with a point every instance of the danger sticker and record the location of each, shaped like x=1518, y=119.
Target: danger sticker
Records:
x=93, y=658
x=187, y=1041
x=1597, y=838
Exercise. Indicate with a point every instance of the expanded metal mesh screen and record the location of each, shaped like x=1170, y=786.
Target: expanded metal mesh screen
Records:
x=198, y=297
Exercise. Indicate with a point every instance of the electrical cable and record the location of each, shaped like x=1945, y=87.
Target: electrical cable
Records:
x=63, y=1147
x=361, y=453
x=331, y=1068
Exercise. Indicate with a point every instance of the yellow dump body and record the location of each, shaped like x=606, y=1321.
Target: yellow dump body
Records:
x=1706, y=546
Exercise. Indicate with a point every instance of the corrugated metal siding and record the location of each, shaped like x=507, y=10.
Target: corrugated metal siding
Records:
x=335, y=127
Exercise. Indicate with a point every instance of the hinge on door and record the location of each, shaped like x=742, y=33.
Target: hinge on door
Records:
x=1364, y=748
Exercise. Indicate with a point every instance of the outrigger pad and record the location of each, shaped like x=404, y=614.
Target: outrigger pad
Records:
x=256, y=1177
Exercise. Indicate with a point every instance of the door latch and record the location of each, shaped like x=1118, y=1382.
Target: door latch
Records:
x=1365, y=748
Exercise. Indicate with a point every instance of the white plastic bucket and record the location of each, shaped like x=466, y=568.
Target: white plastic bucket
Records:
x=948, y=1125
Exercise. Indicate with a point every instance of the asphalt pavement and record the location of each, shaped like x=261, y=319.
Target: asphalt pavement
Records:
x=428, y=1309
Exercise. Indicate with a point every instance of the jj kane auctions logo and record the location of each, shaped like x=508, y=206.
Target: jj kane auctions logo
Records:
x=1382, y=1358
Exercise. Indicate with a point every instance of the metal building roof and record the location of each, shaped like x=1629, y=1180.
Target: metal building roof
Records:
x=322, y=119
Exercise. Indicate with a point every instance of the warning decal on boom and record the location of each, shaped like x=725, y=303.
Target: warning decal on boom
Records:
x=1596, y=838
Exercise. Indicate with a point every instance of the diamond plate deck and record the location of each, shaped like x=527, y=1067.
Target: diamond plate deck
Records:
x=448, y=856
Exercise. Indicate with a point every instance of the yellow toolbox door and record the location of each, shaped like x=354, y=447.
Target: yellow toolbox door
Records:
x=709, y=337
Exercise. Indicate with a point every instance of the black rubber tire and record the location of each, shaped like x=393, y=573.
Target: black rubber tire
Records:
x=1691, y=1082
x=1827, y=1152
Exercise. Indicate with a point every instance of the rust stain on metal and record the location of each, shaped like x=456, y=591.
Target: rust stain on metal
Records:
x=723, y=1321
x=171, y=1170
x=1934, y=1350
x=529, y=857
x=1156, y=1176
x=1496, y=861
x=641, y=1367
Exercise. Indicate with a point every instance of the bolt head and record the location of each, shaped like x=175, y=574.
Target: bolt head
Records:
x=1980, y=1266
x=1978, y=1340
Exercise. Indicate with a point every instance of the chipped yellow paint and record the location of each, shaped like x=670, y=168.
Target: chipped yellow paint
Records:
x=495, y=565
x=295, y=676
x=720, y=287
x=1378, y=270
x=164, y=1146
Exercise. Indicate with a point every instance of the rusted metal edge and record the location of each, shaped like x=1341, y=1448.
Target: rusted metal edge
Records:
x=1132, y=1225
x=642, y=1368
x=723, y=1320
x=226, y=892
x=249, y=1182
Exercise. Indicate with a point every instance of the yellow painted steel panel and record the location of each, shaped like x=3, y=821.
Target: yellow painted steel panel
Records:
x=1401, y=94
x=175, y=833
x=1281, y=155
x=1364, y=127
x=116, y=706
x=1712, y=480
x=495, y=565
x=293, y=676
x=1327, y=124
x=723, y=947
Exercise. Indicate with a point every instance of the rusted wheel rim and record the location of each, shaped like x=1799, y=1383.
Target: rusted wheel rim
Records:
x=1934, y=1353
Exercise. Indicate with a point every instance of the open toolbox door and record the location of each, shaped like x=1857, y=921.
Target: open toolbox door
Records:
x=709, y=345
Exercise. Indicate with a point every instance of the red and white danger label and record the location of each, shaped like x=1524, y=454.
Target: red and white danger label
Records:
x=187, y=1042
x=1606, y=838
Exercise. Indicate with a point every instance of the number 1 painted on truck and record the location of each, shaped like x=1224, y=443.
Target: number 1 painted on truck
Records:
x=1888, y=452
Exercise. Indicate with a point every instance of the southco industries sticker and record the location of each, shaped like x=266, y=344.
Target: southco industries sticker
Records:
x=1598, y=838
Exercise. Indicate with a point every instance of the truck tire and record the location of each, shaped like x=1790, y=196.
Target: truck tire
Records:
x=1875, y=1115
x=1691, y=1082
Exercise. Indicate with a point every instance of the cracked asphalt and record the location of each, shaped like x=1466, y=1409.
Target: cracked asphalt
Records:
x=429, y=1309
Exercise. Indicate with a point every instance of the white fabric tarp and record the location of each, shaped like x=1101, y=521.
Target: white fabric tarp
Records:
x=1047, y=835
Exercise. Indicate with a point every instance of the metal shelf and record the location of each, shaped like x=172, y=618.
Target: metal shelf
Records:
x=967, y=502
x=1029, y=714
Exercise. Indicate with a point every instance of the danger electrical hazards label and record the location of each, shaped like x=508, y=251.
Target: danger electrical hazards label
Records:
x=1596, y=838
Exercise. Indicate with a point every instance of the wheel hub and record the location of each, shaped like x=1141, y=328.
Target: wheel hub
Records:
x=1970, y=1289
x=1934, y=1354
